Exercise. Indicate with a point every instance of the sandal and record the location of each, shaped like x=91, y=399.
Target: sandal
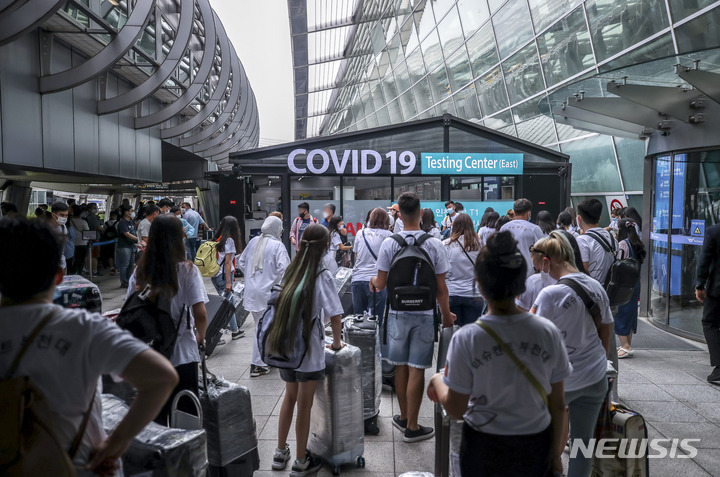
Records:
x=625, y=353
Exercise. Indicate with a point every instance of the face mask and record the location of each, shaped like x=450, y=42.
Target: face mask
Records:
x=132, y=215
x=62, y=220
x=450, y=211
x=545, y=277
x=325, y=215
x=302, y=215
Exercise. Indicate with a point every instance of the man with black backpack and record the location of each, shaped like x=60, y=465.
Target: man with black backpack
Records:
x=412, y=265
x=597, y=246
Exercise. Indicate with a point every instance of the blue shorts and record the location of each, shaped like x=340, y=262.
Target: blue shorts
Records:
x=411, y=339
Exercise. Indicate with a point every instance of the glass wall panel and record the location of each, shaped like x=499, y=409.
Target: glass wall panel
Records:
x=684, y=8
x=532, y=125
x=473, y=14
x=408, y=33
x=407, y=102
x=467, y=104
x=439, y=84
x=513, y=27
x=396, y=114
x=658, y=48
x=415, y=66
x=481, y=48
x=594, y=167
x=427, y=188
x=491, y=92
x=441, y=6
x=699, y=33
x=565, y=48
x=522, y=74
x=458, y=67
x=389, y=87
x=402, y=77
x=545, y=12
x=446, y=107
x=502, y=122
x=395, y=53
x=423, y=96
x=451, y=35
x=617, y=26
x=383, y=117
x=495, y=4
x=426, y=21
x=631, y=156
x=430, y=47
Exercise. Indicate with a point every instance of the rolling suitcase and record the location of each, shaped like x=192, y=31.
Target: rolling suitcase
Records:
x=158, y=451
x=230, y=426
x=78, y=292
x=361, y=331
x=336, y=422
x=219, y=311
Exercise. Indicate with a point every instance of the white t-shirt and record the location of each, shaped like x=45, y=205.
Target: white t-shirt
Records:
x=448, y=220
x=229, y=249
x=365, y=263
x=502, y=400
x=326, y=304
x=399, y=226
x=432, y=246
x=592, y=253
x=143, y=229
x=526, y=234
x=484, y=233
x=335, y=241
x=66, y=361
x=533, y=286
x=435, y=232
x=191, y=290
x=461, y=275
x=79, y=225
x=561, y=305
x=259, y=286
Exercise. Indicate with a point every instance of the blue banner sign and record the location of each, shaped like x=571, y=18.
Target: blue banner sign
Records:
x=494, y=164
x=475, y=209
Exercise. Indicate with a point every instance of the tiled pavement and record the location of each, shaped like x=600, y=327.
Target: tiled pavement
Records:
x=667, y=387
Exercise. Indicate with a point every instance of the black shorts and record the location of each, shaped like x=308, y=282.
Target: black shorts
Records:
x=292, y=376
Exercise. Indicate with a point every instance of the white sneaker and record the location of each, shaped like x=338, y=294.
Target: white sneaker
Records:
x=281, y=458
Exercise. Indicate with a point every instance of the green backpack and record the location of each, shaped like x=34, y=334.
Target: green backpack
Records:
x=206, y=258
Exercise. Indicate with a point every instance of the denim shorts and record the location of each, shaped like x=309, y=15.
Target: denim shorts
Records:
x=292, y=376
x=411, y=339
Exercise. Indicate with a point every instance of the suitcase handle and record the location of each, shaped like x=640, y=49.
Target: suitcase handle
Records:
x=173, y=410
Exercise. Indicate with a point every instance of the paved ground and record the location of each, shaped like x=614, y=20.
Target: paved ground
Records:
x=667, y=387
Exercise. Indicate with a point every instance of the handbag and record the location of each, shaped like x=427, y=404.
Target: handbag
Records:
x=521, y=366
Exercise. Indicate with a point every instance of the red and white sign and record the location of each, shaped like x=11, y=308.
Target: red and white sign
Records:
x=616, y=202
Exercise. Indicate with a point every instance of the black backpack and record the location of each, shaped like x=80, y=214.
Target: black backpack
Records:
x=411, y=281
x=150, y=320
x=623, y=275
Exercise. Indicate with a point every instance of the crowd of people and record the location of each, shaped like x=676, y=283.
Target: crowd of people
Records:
x=511, y=285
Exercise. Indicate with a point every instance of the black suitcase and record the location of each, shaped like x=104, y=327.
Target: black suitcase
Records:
x=228, y=420
x=442, y=420
x=362, y=331
x=78, y=292
x=219, y=311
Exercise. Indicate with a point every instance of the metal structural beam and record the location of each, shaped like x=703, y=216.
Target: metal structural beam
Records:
x=209, y=21
x=107, y=57
x=705, y=81
x=668, y=101
x=167, y=67
x=21, y=16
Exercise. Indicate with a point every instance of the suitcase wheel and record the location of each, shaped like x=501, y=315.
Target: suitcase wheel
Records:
x=361, y=460
x=336, y=470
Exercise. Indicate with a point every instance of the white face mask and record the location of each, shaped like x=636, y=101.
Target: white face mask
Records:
x=545, y=277
x=132, y=215
x=325, y=215
x=62, y=220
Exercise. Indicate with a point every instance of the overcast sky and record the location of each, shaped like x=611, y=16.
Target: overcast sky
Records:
x=260, y=32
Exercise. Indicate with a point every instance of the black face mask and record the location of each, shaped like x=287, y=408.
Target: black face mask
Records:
x=303, y=214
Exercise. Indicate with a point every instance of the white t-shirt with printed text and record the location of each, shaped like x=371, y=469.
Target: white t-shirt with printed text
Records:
x=533, y=286
x=561, y=305
x=433, y=247
x=502, y=400
x=65, y=362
